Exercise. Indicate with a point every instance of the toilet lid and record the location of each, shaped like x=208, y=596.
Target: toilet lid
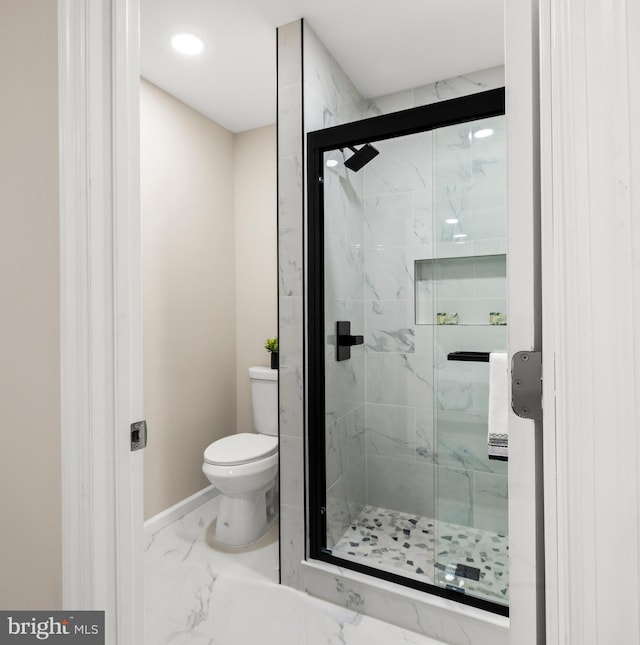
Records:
x=240, y=449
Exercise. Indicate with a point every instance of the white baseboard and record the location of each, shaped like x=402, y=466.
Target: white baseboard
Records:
x=179, y=510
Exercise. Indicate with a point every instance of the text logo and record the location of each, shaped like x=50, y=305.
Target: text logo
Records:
x=24, y=627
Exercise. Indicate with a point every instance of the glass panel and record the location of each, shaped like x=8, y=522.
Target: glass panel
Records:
x=379, y=407
x=470, y=315
x=415, y=261
x=344, y=380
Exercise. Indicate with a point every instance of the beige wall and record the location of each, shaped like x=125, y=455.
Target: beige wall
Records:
x=256, y=258
x=188, y=293
x=30, y=498
x=209, y=239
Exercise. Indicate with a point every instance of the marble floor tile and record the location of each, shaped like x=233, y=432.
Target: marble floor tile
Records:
x=467, y=560
x=199, y=593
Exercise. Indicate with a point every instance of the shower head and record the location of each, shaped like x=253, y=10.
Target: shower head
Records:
x=360, y=157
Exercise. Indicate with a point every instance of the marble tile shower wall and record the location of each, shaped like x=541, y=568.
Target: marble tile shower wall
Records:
x=470, y=187
x=329, y=99
x=345, y=380
x=290, y=303
x=399, y=354
x=426, y=416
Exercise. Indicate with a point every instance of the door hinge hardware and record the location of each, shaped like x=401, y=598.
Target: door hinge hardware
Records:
x=526, y=384
x=138, y=435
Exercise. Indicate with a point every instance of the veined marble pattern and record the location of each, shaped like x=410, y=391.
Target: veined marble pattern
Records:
x=200, y=594
x=469, y=182
x=434, y=92
x=329, y=99
x=291, y=166
x=439, y=553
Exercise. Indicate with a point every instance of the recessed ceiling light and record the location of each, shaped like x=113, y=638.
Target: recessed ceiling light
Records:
x=331, y=163
x=451, y=220
x=188, y=44
x=460, y=235
x=481, y=134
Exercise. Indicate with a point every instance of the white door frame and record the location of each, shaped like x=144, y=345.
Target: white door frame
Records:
x=101, y=306
x=101, y=393
x=526, y=561
x=590, y=100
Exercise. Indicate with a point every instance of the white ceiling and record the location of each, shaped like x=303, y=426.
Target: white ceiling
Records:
x=383, y=46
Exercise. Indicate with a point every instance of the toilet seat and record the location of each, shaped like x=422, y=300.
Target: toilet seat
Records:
x=242, y=448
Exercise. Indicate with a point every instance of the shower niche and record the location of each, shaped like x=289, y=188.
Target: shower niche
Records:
x=467, y=290
x=407, y=243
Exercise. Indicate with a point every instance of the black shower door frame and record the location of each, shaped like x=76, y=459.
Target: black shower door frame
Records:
x=388, y=126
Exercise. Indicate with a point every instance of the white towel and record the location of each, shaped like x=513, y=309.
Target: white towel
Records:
x=498, y=438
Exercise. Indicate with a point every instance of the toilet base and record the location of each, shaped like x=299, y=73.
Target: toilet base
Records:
x=244, y=519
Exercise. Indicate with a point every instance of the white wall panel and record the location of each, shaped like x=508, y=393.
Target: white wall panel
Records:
x=591, y=217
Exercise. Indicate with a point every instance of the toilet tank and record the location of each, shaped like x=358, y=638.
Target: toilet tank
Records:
x=264, y=399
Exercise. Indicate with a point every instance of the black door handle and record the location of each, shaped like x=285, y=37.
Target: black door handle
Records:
x=350, y=341
x=345, y=340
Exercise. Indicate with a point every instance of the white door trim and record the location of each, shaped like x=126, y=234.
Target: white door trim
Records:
x=526, y=572
x=551, y=536
x=101, y=363
x=590, y=86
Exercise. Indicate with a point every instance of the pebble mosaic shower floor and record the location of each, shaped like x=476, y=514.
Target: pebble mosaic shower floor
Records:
x=469, y=560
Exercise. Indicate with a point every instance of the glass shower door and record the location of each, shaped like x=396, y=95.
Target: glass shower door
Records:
x=379, y=399
x=470, y=329
x=410, y=254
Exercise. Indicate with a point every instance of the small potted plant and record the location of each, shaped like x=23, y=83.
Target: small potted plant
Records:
x=271, y=345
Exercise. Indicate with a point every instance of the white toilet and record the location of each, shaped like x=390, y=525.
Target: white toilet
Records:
x=244, y=468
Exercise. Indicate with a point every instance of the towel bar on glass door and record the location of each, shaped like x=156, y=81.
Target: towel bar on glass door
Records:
x=478, y=357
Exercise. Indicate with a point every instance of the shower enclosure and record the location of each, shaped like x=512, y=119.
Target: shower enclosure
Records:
x=406, y=304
